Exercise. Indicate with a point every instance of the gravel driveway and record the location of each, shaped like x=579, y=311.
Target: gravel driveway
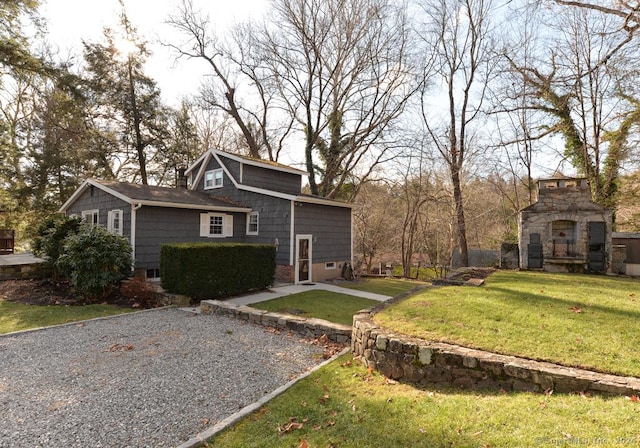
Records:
x=148, y=379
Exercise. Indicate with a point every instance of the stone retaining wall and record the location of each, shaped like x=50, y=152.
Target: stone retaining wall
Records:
x=20, y=271
x=305, y=326
x=417, y=361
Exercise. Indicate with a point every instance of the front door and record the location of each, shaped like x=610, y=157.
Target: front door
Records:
x=303, y=258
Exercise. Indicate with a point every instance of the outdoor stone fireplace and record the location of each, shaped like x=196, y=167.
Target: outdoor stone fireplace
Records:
x=565, y=231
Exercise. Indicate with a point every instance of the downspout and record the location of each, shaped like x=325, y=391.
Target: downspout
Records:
x=134, y=207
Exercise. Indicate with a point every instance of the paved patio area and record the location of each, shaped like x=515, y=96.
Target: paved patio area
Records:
x=285, y=290
x=19, y=259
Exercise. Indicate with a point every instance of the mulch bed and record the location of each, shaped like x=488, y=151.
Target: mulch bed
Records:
x=49, y=292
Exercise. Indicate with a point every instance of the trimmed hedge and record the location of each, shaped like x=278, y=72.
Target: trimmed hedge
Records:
x=216, y=270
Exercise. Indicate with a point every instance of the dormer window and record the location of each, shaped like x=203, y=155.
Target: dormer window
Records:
x=213, y=179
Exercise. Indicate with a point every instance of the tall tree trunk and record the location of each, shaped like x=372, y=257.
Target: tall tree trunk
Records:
x=462, y=227
x=142, y=162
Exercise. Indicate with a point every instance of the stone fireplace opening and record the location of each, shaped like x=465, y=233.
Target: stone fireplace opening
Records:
x=564, y=237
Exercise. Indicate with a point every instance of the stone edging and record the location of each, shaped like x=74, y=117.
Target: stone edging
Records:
x=309, y=327
x=418, y=361
x=202, y=438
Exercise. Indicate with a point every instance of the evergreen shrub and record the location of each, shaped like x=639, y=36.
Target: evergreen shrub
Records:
x=94, y=260
x=215, y=270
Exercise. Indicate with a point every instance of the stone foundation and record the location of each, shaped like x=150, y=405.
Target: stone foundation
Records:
x=417, y=361
x=309, y=327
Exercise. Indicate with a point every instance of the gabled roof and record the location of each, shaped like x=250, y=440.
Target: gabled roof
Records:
x=154, y=196
x=247, y=161
x=203, y=161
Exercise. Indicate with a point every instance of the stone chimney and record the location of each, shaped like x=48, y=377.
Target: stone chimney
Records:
x=182, y=179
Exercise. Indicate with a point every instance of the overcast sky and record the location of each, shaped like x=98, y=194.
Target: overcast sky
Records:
x=71, y=21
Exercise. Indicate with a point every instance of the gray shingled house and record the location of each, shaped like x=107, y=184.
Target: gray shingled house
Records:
x=225, y=198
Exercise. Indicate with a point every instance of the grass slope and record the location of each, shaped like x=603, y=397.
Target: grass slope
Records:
x=331, y=306
x=575, y=320
x=19, y=316
x=344, y=405
x=385, y=286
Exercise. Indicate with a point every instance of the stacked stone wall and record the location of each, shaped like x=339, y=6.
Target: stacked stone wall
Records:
x=308, y=327
x=421, y=362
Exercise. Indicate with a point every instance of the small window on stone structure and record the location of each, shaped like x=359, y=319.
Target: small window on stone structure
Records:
x=570, y=183
x=552, y=184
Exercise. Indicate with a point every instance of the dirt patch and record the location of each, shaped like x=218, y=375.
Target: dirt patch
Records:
x=46, y=292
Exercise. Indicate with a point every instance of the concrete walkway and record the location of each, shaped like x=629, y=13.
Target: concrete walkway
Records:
x=285, y=290
x=19, y=259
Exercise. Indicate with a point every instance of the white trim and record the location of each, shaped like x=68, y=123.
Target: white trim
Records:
x=226, y=171
x=133, y=201
x=92, y=213
x=201, y=171
x=249, y=215
x=213, y=208
x=205, y=225
x=132, y=240
x=259, y=163
x=322, y=201
x=194, y=164
x=83, y=187
x=110, y=221
x=310, y=259
x=292, y=240
x=214, y=177
x=216, y=154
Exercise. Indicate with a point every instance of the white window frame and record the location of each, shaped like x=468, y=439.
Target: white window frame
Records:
x=205, y=225
x=114, y=221
x=94, y=214
x=213, y=179
x=255, y=215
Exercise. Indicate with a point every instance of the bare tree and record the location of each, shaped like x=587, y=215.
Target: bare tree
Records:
x=337, y=72
x=457, y=42
x=240, y=84
x=578, y=88
x=375, y=226
x=343, y=68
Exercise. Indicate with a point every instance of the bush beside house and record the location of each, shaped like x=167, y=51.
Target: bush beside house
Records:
x=91, y=257
x=216, y=270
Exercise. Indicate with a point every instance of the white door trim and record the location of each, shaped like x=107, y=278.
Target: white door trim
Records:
x=300, y=262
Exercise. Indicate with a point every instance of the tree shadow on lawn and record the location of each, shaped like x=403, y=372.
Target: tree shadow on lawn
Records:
x=536, y=299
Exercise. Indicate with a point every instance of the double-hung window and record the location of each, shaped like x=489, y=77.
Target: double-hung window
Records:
x=216, y=225
x=90, y=217
x=114, y=221
x=213, y=179
x=253, y=221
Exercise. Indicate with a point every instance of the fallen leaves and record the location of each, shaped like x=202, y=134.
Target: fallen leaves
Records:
x=121, y=348
x=290, y=426
x=576, y=309
x=633, y=399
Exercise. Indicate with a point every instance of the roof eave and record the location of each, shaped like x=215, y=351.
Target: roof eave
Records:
x=216, y=208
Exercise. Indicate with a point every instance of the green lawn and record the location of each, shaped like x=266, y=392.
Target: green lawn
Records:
x=331, y=306
x=344, y=405
x=385, y=286
x=18, y=316
x=571, y=319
